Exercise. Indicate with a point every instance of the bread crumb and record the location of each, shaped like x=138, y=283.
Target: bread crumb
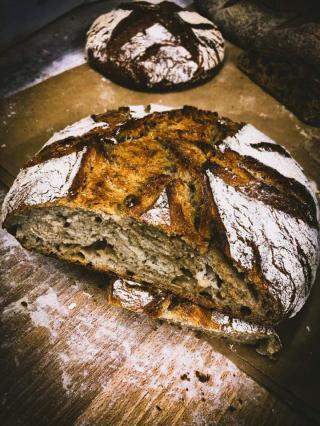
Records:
x=203, y=378
x=72, y=306
x=87, y=294
x=185, y=377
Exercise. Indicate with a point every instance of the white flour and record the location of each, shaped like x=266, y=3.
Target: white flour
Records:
x=97, y=351
x=43, y=182
x=101, y=30
x=244, y=143
x=80, y=128
x=275, y=234
x=159, y=214
x=171, y=61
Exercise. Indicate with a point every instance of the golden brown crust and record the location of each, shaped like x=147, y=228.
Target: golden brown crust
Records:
x=161, y=305
x=213, y=177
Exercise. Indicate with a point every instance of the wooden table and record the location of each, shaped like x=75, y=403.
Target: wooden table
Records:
x=66, y=357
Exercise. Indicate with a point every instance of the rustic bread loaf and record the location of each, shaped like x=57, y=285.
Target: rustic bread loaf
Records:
x=208, y=209
x=163, y=306
x=154, y=46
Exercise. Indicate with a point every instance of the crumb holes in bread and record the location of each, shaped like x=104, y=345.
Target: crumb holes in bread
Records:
x=206, y=294
x=186, y=272
x=211, y=274
x=219, y=295
x=183, y=281
x=219, y=281
x=79, y=256
x=245, y=310
x=179, y=279
x=131, y=201
x=227, y=310
x=253, y=291
x=13, y=229
x=173, y=303
x=99, y=245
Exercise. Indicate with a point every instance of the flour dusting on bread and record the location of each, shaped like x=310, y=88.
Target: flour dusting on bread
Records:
x=247, y=142
x=287, y=246
x=43, y=182
x=155, y=46
x=80, y=128
x=160, y=305
x=101, y=31
x=185, y=201
x=140, y=111
x=194, y=18
x=159, y=214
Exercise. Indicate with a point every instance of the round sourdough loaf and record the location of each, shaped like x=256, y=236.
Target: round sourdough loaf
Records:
x=154, y=46
x=164, y=306
x=208, y=209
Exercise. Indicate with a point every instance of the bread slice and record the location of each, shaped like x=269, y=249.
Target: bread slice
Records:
x=164, y=306
x=210, y=210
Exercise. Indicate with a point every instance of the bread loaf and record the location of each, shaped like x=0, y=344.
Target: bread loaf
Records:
x=182, y=200
x=163, y=306
x=154, y=46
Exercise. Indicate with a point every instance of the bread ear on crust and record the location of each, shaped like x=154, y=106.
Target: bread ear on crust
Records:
x=210, y=210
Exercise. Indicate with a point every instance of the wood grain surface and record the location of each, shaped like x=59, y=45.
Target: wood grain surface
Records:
x=67, y=358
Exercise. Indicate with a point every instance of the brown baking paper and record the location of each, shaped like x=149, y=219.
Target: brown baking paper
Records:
x=30, y=117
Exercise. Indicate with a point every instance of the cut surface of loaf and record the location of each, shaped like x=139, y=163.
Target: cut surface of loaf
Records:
x=210, y=210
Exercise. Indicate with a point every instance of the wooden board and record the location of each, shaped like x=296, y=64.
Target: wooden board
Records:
x=28, y=119
x=67, y=358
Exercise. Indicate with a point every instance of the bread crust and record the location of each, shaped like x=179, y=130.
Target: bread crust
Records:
x=164, y=306
x=155, y=47
x=196, y=177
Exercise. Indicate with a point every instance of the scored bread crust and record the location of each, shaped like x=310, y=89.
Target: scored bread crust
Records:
x=181, y=187
x=154, y=46
x=163, y=306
